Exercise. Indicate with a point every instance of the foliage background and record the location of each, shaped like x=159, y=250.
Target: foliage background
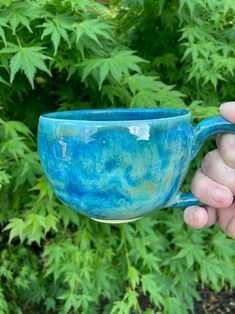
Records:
x=74, y=54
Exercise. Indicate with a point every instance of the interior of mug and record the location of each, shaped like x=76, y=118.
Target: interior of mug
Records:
x=117, y=114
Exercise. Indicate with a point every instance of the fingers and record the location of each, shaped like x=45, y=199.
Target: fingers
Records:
x=227, y=220
x=210, y=192
x=216, y=169
x=214, y=184
x=228, y=111
x=226, y=146
x=231, y=228
x=212, y=216
x=226, y=143
x=198, y=217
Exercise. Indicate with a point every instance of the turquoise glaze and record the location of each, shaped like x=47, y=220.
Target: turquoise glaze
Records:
x=122, y=164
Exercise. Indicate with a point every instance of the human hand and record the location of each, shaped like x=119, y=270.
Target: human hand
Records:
x=214, y=183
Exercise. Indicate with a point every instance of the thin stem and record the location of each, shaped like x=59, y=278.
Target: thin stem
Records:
x=122, y=90
x=18, y=41
x=126, y=254
x=129, y=264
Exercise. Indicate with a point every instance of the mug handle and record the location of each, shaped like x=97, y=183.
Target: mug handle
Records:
x=201, y=132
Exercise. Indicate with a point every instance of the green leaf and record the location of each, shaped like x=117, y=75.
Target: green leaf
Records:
x=212, y=76
x=201, y=112
x=36, y=226
x=15, y=147
x=10, y=49
x=93, y=29
x=189, y=250
x=6, y=273
x=51, y=223
x=190, y=4
x=211, y=270
x=72, y=301
x=12, y=128
x=68, y=216
x=143, y=99
x=2, y=31
x=54, y=254
x=27, y=169
x=4, y=81
x=4, y=178
x=162, y=4
x=196, y=33
x=50, y=304
x=119, y=64
x=21, y=13
x=131, y=298
x=133, y=276
x=17, y=227
x=73, y=279
x=58, y=28
x=44, y=188
x=149, y=311
x=86, y=5
x=120, y=307
x=113, y=93
x=148, y=92
x=127, y=233
x=228, y=5
x=139, y=82
x=3, y=302
x=173, y=305
x=104, y=71
x=223, y=245
x=150, y=285
x=28, y=60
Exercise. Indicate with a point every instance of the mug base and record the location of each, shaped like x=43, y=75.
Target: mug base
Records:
x=115, y=221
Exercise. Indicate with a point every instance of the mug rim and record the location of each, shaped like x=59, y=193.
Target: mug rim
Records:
x=67, y=116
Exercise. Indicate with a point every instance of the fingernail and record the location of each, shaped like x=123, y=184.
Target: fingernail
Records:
x=196, y=215
x=199, y=218
x=227, y=109
x=231, y=229
x=219, y=195
x=227, y=105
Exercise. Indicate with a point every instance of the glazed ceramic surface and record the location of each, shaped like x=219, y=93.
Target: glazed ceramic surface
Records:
x=121, y=164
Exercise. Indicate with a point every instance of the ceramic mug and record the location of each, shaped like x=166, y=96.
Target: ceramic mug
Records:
x=118, y=165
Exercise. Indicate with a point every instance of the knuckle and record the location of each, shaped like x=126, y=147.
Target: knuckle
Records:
x=230, y=159
x=197, y=177
x=231, y=141
x=231, y=181
x=228, y=149
x=212, y=155
x=197, y=185
x=208, y=161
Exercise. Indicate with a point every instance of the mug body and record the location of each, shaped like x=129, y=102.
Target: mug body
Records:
x=116, y=164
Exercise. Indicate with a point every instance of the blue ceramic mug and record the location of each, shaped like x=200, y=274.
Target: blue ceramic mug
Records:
x=118, y=165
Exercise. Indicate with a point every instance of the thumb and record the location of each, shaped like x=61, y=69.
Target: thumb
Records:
x=227, y=109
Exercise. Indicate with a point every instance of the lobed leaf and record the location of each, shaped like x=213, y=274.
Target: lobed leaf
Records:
x=119, y=64
x=58, y=27
x=28, y=60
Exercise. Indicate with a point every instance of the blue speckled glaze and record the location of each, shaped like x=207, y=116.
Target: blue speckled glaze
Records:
x=121, y=164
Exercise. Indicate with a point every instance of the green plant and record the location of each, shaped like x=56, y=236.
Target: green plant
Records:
x=62, y=55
